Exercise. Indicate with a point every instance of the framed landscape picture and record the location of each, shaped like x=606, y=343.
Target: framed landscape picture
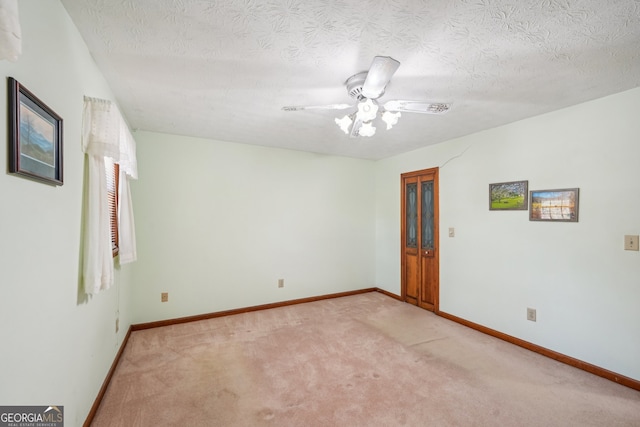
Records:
x=508, y=196
x=35, y=136
x=554, y=205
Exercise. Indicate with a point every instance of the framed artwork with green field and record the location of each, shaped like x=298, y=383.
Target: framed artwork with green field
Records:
x=509, y=196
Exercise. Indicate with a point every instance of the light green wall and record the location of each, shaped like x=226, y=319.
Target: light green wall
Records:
x=219, y=223
x=577, y=276
x=55, y=348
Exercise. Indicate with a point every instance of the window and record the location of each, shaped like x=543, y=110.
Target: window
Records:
x=112, y=171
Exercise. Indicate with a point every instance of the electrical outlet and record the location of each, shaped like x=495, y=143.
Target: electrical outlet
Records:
x=631, y=243
x=531, y=314
x=281, y=283
x=164, y=297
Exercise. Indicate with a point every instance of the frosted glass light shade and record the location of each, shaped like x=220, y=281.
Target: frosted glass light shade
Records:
x=367, y=111
x=344, y=123
x=367, y=129
x=390, y=118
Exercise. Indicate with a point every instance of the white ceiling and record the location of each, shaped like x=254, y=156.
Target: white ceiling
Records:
x=222, y=69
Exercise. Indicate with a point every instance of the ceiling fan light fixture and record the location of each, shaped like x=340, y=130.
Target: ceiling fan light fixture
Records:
x=366, y=87
x=390, y=118
x=367, y=110
x=344, y=123
x=367, y=129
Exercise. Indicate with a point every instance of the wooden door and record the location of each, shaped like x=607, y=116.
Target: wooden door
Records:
x=420, y=237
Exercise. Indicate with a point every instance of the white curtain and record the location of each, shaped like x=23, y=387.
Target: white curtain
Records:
x=10, y=32
x=105, y=134
x=128, y=170
x=126, y=226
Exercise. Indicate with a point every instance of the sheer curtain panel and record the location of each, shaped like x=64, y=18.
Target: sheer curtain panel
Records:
x=105, y=134
x=10, y=32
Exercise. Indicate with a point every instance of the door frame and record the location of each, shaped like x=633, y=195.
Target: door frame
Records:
x=403, y=219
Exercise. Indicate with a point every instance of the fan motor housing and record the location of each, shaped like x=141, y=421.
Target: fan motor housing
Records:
x=354, y=85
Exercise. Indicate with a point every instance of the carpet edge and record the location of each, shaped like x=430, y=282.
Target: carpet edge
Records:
x=562, y=358
x=205, y=316
x=105, y=384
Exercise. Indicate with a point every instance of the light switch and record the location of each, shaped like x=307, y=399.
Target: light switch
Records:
x=452, y=232
x=630, y=243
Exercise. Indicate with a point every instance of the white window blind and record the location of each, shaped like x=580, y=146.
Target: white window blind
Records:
x=111, y=174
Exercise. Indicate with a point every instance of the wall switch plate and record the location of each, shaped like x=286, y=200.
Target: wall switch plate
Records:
x=531, y=314
x=281, y=283
x=117, y=325
x=452, y=232
x=631, y=243
x=164, y=297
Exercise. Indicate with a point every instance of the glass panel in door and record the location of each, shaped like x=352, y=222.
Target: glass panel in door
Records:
x=412, y=215
x=427, y=215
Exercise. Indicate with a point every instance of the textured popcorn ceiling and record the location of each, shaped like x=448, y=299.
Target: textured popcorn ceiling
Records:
x=222, y=69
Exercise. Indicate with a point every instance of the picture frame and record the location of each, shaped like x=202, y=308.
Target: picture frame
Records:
x=34, y=136
x=554, y=205
x=509, y=196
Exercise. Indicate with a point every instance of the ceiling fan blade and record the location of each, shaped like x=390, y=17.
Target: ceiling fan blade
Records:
x=317, y=107
x=381, y=70
x=357, y=124
x=423, y=107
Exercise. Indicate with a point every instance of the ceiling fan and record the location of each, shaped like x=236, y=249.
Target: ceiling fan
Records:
x=366, y=87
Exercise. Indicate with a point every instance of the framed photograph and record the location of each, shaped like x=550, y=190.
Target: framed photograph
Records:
x=554, y=205
x=35, y=136
x=508, y=196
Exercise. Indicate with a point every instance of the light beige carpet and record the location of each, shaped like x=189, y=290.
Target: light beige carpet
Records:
x=363, y=360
